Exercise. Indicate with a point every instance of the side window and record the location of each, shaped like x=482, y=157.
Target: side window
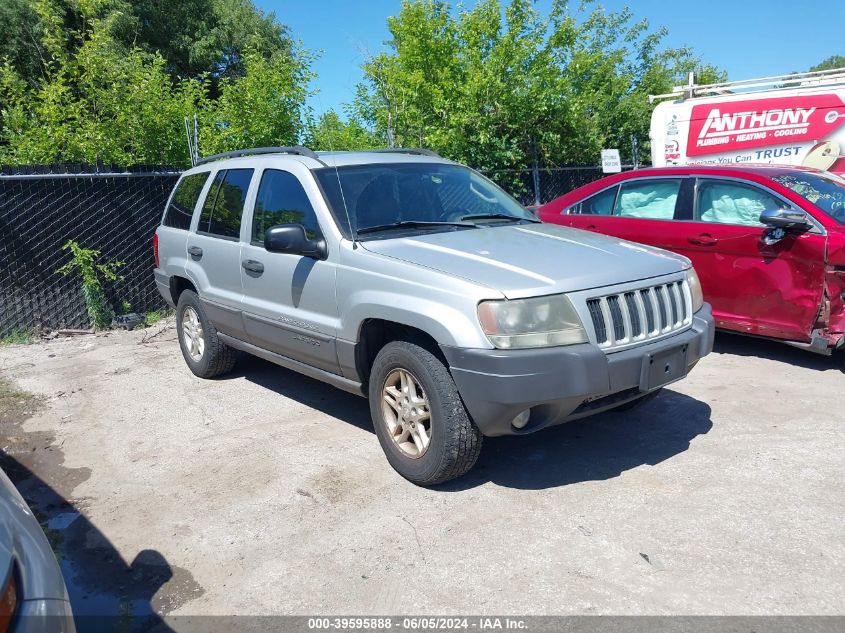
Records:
x=652, y=199
x=181, y=207
x=210, y=199
x=224, y=205
x=726, y=202
x=282, y=200
x=600, y=203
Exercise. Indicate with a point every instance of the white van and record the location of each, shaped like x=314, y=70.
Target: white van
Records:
x=796, y=119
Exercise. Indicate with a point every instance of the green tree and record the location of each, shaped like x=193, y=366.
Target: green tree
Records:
x=195, y=37
x=832, y=62
x=20, y=40
x=494, y=86
x=266, y=106
x=330, y=133
x=99, y=105
x=99, y=101
x=208, y=36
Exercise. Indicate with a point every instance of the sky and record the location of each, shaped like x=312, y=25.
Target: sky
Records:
x=747, y=38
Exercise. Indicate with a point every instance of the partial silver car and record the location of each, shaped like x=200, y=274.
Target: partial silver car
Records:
x=417, y=282
x=33, y=597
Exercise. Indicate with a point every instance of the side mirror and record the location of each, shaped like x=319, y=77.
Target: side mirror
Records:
x=786, y=219
x=291, y=239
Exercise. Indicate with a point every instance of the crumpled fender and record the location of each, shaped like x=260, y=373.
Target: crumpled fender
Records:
x=834, y=279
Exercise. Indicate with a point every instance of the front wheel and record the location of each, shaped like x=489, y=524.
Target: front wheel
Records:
x=419, y=418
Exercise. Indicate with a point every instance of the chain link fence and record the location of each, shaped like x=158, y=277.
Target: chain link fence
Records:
x=42, y=207
x=116, y=211
x=543, y=184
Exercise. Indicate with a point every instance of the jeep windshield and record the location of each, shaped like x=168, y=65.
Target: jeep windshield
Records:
x=825, y=191
x=383, y=199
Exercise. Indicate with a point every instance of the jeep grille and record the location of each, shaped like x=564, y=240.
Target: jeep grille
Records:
x=626, y=318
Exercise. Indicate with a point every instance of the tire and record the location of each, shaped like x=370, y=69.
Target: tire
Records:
x=215, y=357
x=633, y=404
x=454, y=441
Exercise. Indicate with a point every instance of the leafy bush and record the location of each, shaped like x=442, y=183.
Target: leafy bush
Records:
x=98, y=100
x=92, y=274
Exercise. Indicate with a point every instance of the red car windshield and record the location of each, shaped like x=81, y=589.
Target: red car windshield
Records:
x=825, y=191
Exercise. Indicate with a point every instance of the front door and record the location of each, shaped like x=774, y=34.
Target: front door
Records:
x=755, y=284
x=289, y=301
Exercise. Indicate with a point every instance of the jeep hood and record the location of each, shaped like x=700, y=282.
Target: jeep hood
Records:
x=526, y=260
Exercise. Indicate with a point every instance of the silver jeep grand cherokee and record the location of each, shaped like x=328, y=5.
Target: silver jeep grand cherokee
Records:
x=417, y=282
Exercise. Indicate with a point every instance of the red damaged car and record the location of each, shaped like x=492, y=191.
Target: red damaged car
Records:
x=768, y=242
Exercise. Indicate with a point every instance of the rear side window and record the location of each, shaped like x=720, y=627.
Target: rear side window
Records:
x=224, y=205
x=282, y=200
x=181, y=207
x=652, y=199
x=600, y=204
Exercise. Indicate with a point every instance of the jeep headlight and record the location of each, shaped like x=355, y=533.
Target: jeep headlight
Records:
x=695, y=289
x=535, y=322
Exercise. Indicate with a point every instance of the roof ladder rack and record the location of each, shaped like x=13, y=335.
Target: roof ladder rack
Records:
x=792, y=80
x=297, y=150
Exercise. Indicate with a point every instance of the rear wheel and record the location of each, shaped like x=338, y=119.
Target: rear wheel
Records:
x=203, y=351
x=419, y=418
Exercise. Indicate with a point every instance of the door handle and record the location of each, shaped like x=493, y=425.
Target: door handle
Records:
x=195, y=251
x=705, y=239
x=253, y=266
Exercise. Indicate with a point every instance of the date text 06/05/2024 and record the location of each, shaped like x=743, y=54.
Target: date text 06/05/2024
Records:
x=417, y=623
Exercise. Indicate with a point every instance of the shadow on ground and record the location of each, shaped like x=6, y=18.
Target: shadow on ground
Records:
x=739, y=345
x=107, y=593
x=308, y=391
x=599, y=447
x=595, y=448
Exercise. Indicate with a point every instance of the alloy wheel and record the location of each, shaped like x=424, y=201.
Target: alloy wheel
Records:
x=406, y=413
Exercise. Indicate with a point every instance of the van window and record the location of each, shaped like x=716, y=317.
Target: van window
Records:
x=600, y=204
x=224, y=205
x=181, y=207
x=652, y=199
x=726, y=202
x=282, y=200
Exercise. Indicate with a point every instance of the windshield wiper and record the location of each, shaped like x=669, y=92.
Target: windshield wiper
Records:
x=497, y=216
x=412, y=224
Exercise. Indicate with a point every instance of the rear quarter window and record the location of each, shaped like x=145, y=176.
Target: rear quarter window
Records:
x=181, y=208
x=600, y=203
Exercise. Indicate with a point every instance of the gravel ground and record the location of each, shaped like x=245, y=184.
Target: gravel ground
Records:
x=267, y=493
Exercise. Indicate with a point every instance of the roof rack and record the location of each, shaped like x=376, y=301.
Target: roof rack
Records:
x=298, y=150
x=419, y=151
x=692, y=90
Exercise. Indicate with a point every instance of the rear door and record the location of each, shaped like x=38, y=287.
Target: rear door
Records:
x=214, y=249
x=176, y=222
x=640, y=209
x=755, y=285
x=289, y=301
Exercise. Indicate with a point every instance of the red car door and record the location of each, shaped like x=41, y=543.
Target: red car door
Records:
x=754, y=284
x=640, y=209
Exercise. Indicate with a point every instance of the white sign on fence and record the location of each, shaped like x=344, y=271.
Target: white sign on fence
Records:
x=610, y=161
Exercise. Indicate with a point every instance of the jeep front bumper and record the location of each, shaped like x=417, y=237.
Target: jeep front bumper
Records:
x=559, y=384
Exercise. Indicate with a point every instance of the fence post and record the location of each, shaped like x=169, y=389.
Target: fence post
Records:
x=535, y=169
